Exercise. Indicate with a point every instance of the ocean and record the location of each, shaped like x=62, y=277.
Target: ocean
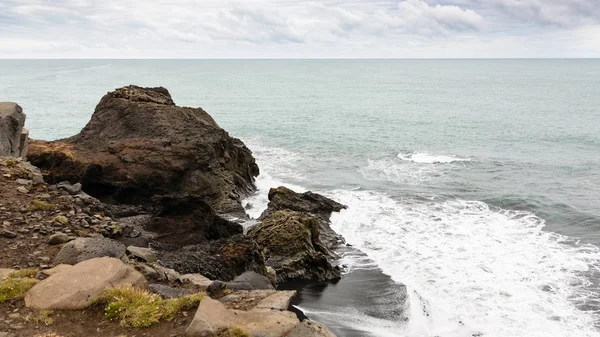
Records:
x=475, y=183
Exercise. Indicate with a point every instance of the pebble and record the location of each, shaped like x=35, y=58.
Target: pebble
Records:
x=22, y=189
x=58, y=238
x=8, y=234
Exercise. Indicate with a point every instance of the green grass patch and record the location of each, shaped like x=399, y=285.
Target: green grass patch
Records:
x=232, y=332
x=61, y=219
x=23, y=273
x=38, y=205
x=13, y=288
x=139, y=308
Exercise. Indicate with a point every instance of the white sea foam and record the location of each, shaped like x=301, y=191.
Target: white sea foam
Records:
x=472, y=268
x=397, y=172
x=271, y=160
x=425, y=158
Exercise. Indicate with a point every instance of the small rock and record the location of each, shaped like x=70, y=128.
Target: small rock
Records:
x=22, y=189
x=196, y=279
x=71, y=189
x=23, y=182
x=145, y=254
x=58, y=238
x=8, y=234
x=167, y=292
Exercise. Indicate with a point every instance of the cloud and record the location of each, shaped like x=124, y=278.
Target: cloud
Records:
x=282, y=28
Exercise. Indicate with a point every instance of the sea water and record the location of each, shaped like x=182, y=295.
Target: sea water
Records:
x=475, y=183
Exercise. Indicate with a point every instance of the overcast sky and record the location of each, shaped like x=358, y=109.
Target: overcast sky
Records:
x=299, y=29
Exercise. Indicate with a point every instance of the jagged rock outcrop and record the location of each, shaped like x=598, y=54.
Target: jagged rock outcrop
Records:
x=281, y=198
x=291, y=245
x=139, y=144
x=13, y=135
x=320, y=207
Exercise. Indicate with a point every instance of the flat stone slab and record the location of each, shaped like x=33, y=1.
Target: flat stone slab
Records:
x=212, y=316
x=77, y=287
x=196, y=279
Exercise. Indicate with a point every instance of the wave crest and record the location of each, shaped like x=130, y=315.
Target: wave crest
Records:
x=425, y=158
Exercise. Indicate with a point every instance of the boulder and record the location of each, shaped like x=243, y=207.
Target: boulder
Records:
x=282, y=198
x=247, y=281
x=139, y=144
x=67, y=187
x=58, y=238
x=279, y=301
x=221, y=259
x=213, y=316
x=12, y=120
x=82, y=249
x=245, y=299
x=197, y=280
x=290, y=243
x=57, y=269
x=76, y=288
x=310, y=329
x=145, y=254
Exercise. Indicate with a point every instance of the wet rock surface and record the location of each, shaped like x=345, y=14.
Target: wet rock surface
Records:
x=290, y=242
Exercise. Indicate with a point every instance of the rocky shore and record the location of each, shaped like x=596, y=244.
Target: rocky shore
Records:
x=132, y=227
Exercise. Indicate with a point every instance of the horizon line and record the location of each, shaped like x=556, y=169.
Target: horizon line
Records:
x=307, y=59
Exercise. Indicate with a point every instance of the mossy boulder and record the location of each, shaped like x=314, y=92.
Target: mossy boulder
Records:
x=290, y=242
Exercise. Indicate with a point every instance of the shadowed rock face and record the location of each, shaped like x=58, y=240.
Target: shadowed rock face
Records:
x=138, y=144
x=222, y=259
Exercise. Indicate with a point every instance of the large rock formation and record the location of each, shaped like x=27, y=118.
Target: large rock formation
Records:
x=13, y=137
x=320, y=207
x=139, y=144
x=290, y=242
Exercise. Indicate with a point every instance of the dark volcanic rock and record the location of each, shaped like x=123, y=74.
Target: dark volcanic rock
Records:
x=138, y=144
x=281, y=198
x=222, y=259
x=290, y=242
x=82, y=249
x=320, y=207
x=182, y=221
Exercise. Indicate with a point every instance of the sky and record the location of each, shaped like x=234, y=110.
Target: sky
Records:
x=299, y=29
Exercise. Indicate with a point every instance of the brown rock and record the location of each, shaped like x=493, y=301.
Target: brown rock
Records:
x=213, y=316
x=138, y=144
x=77, y=287
x=57, y=269
x=310, y=329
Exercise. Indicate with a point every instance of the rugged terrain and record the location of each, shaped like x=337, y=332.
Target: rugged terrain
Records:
x=140, y=207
